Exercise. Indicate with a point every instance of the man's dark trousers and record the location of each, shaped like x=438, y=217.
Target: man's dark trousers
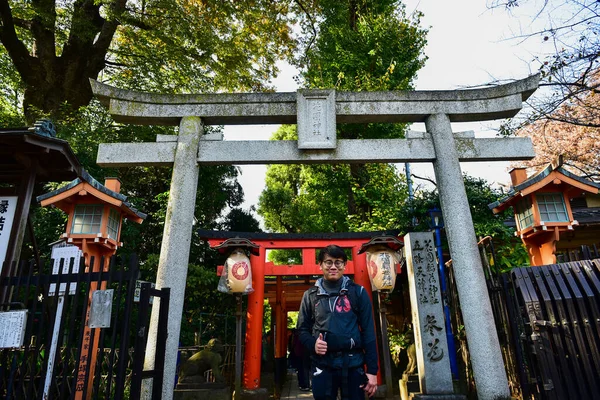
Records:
x=327, y=382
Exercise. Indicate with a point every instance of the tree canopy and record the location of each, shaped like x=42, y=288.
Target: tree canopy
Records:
x=50, y=49
x=356, y=45
x=55, y=46
x=578, y=143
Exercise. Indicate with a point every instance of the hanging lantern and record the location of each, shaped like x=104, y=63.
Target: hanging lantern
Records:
x=236, y=277
x=383, y=262
x=237, y=273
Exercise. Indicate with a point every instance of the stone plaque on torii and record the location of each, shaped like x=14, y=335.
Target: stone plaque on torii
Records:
x=316, y=112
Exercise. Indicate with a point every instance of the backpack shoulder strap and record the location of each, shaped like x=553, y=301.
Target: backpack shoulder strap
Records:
x=312, y=297
x=354, y=292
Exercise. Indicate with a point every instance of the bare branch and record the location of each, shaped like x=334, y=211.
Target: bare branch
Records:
x=424, y=179
x=313, y=28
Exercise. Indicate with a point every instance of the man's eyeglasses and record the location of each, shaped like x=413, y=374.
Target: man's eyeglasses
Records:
x=337, y=263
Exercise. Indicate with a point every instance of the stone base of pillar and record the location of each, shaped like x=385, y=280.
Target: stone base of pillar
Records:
x=417, y=396
x=258, y=394
x=202, y=391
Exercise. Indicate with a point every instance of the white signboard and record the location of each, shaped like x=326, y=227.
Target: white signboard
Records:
x=101, y=308
x=66, y=253
x=12, y=328
x=8, y=205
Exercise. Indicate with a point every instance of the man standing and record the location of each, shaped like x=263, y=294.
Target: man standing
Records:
x=336, y=325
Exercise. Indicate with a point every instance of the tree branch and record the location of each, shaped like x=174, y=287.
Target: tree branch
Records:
x=16, y=49
x=312, y=25
x=424, y=179
x=42, y=29
x=109, y=28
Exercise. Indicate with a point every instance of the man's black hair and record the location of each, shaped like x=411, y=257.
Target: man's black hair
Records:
x=332, y=251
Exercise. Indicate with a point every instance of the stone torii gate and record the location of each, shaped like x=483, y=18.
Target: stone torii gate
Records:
x=316, y=113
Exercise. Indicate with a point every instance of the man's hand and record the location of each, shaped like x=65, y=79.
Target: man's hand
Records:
x=371, y=386
x=320, y=345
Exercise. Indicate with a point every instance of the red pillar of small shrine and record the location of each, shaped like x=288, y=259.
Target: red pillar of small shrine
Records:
x=361, y=276
x=254, y=324
x=280, y=322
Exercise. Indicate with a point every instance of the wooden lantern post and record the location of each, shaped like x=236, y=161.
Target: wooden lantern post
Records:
x=95, y=215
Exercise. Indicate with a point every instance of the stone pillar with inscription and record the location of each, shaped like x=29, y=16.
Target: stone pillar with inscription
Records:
x=428, y=316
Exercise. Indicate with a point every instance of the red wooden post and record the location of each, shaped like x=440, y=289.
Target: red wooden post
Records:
x=361, y=276
x=254, y=325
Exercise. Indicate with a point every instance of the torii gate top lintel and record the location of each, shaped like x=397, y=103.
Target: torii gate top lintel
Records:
x=480, y=104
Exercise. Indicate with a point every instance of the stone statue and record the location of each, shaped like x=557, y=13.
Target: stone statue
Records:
x=411, y=352
x=192, y=370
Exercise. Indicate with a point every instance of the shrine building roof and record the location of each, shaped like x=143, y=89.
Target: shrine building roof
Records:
x=553, y=174
x=24, y=148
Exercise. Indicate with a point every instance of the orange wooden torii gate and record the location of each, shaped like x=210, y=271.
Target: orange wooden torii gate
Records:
x=284, y=294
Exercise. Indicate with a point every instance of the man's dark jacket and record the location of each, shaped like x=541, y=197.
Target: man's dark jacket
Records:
x=346, y=327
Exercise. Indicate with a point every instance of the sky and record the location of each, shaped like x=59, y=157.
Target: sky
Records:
x=468, y=45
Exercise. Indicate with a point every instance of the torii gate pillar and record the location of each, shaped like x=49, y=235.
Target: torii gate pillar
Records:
x=175, y=248
x=484, y=348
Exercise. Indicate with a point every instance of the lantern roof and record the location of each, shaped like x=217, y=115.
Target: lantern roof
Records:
x=63, y=197
x=553, y=174
x=231, y=243
x=392, y=242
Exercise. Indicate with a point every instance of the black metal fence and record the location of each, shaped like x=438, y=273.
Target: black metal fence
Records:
x=60, y=357
x=558, y=322
x=548, y=324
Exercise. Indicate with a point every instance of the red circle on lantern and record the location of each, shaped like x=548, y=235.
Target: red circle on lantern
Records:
x=236, y=268
x=372, y=269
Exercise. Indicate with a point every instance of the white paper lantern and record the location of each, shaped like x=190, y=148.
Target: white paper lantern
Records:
x=237, y=274
x=382, y=263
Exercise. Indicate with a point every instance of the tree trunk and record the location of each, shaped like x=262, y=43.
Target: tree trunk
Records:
x=54, y=84
x=58, y=88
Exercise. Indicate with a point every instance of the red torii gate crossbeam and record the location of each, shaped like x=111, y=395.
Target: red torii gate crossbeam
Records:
x=309, y=244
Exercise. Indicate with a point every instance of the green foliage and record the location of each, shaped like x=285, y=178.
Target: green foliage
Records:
x=358, y=199
x=365, y=45
x=357, y=45
x=509, y=255
x=292, y=319
x=399, y=341
x=509, y=251
x=285, y=257
x=11, y=89
x=267, y=316
x=172, y=46
x=202, y=297
x=51, y=48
